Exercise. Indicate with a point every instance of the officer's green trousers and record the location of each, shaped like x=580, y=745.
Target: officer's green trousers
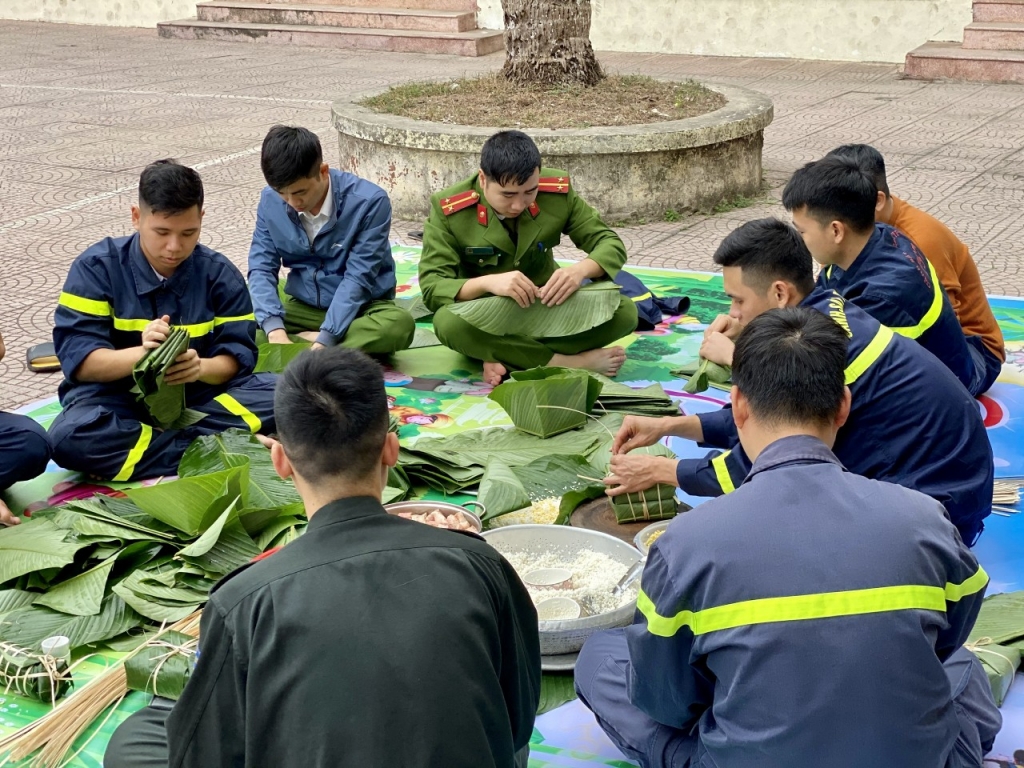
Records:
x=380, y=329
x=521, y=352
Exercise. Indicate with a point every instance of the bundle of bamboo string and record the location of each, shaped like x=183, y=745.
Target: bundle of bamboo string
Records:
x=49, y=739
x=1006, y=492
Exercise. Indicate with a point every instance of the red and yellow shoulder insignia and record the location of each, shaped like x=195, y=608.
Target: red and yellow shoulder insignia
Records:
x=534, y=209
x=455, y=203
x=481, y=214
x=557, y=184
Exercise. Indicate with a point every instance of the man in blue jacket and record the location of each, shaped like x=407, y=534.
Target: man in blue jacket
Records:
x=119, y=301
x=331, y=230
x=812, y=616
x=912, y=423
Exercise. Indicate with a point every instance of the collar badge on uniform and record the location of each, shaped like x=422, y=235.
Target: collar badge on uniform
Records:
x=557, y=184
x=456, y=203
x=481, y=214
x=534, y=209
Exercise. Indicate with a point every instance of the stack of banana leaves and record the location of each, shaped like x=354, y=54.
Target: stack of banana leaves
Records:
x=998, y=640
x=164, y=402
x=547, y=401
x=648, y=401
x=703, y=374
x=454, y=463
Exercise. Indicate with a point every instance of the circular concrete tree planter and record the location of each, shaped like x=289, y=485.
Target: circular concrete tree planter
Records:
x=626, y=172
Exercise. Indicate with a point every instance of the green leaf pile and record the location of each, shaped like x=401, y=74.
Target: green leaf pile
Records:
x=164, y=402
x=704, y=374
x=573, y=479
x=547, y=401
x=587, y=308
x=648, y=401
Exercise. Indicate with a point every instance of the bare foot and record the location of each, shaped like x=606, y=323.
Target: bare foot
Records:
x=308, y=335
x=6, y=516
x=606, y=361
x=493, y=373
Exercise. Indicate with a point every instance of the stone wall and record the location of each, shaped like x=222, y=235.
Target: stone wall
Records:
x=849, y=30
x=113, y=13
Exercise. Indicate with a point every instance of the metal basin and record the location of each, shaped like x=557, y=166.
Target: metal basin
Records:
x=421, y=507
x=568, y=636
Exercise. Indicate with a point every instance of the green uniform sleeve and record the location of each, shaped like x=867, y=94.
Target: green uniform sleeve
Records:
x=440, y=263
x=592, y=236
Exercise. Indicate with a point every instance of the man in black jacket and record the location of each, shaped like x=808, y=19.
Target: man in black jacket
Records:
x=370, y=640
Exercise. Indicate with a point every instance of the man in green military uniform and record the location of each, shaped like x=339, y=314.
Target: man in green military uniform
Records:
x=494, y=234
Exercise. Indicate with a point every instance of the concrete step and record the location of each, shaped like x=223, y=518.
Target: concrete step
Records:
x=994, y=36
x=425, y=20
x=998, y=10
x=475, y=42
x=937, y=61
x=434, y=5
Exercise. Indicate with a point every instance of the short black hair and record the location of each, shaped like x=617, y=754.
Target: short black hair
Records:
x=331, y=410
x=290, y=154
x=870, y=161
x=509, y=156
x=170, y=188
x=789, y=363
x=833, y=189
x=768, y=250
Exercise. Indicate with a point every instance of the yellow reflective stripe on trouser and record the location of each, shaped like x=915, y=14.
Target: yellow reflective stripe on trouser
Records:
x=869, y=355
x=195, y=330
x=234, y=407
x=84, y=305
x=642, y=297
x=824, y=605
x=722, y=472
x=933, y=313
x=135, y=454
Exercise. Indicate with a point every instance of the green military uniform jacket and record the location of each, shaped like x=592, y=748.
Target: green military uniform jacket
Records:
x=464, y=238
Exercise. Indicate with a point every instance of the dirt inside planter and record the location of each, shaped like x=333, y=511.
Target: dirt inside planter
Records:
x=493, y=101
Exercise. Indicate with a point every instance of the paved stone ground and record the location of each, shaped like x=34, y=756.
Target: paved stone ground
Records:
x=83, y=109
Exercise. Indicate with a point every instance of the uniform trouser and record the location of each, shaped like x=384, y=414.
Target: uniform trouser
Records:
x=141, y=740
x=382, y=327
x=986, y=366
x=603, y=668
x=24, y=449
x=111, y=437
x=522, y=352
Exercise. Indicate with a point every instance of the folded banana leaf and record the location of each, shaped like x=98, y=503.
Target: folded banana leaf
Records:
x=590, y=306
x=573, y=479
x=162, y=666
x=164, y=402
x=274, y=358
x=1000, y=663
x=648, y=401
x=1001, y=619
x=26, y=673
x=657, y=503
x=704, y=374
x=415, y=307
x=547, y=401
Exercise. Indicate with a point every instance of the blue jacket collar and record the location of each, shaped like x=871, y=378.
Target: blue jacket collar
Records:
x=802, y=449
x=869, y=247
x=146, y=280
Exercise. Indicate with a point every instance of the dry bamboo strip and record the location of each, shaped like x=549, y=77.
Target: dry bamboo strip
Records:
x=54, y=734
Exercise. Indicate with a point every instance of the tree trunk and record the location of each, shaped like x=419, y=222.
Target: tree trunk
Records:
x=548, y=42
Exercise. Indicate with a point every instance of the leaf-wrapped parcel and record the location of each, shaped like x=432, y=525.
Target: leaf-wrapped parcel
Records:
x=705, y=374
x=165, y=402
x=1000, y=663
x=547, y=401
x=162, y=666
x=657, y=503
x=32, y=674
x=590, y=306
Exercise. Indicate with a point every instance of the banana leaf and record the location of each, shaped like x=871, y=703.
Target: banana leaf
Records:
x=33, y=546
x=274, y=358
x=81, y=595
x=415, y=307
x=29, y=626
x=191, y=504
x=1000, y=663
x=223, y=547
x=589, y=307
x=11, y=599
x=555, y=690
x=501, y=491
x=648, y=401
x=163, y=666
x=1001, y=619
x=704, y=374
x=657, y=503
x=164, y=402
x=424, y=337
x=573, y=479
x=25, y=673
x=238, y=448
x=547, y=401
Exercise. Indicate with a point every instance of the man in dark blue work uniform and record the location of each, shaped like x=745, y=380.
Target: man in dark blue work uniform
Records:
x=874, y=266
x=911, y=422
x=813, y=616
x=331, y=229
x=120, y=299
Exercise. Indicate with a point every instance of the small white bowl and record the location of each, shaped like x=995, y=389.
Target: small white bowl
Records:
x=558, y=609
x=549, y=578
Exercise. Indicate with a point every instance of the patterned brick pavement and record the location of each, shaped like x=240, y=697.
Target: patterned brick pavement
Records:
x=83, y=109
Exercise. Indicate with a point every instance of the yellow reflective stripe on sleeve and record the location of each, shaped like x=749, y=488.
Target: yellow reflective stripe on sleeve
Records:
x=869, y=355
x=824, y=605
x=722, y=472
x=84, y=305
x=828, y=272
x=234, y=407
x=135, y=454
x=238, y=319
x=642, y=297
x=933, y=313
